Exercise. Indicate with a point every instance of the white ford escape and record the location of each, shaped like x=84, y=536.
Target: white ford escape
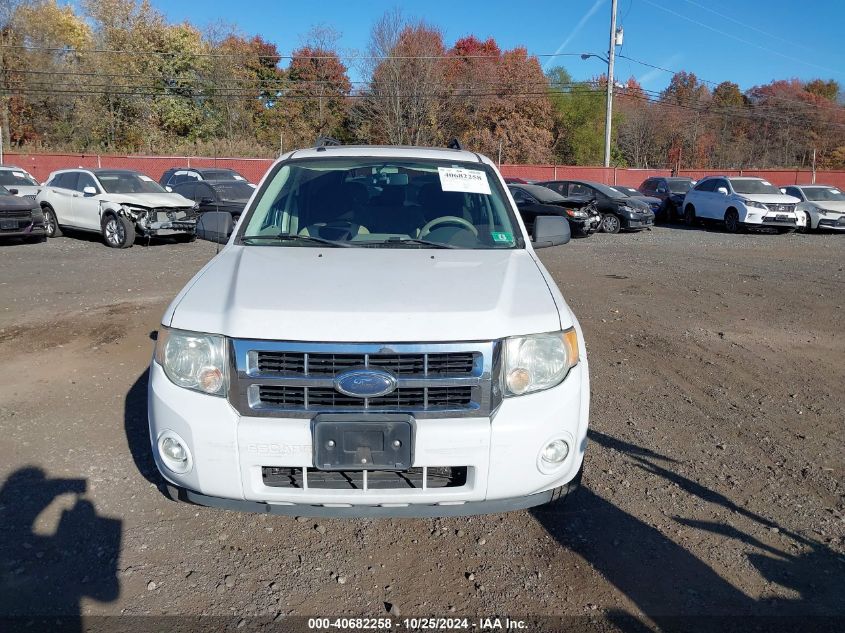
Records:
x=378, y=337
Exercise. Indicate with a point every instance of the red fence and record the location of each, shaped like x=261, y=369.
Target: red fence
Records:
x=40, y=166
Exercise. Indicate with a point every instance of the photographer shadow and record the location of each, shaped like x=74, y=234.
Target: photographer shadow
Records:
x=44, y=577
x=674, y=588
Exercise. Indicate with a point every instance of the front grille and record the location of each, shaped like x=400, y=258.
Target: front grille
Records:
x=318, y=364
x=781, y=208
x=403, y=398
x=275, y=378
x=22, y=214
x=414, y=478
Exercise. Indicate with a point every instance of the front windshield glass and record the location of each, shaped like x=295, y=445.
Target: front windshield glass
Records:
x=128, y=182
x=628, y=191
x=222, y=174
x=610, y=192
x=233, y=190
x=752, y=186
x=371, y=202
x=817, y=194
x=543, y=194
x=15, y=179
x=679, y=186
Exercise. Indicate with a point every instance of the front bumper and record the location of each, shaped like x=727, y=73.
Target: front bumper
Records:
x=637, y=223
x=23, y=228
x=501, y=453
x=832, y=224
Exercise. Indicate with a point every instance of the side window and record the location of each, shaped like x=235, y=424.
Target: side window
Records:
x=204, y=191
x=794, y=191
x=187, y=189
x=582, y=191
x=706, y=185
x=558, y=187
x=85, y=180
x=518, y=196
x=648, y=186
x=721, y=182
x=660, y=186
x=67, y=180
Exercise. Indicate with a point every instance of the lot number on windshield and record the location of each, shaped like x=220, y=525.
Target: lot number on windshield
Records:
x=465, y=180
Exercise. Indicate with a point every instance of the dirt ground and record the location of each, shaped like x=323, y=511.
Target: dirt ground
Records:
x=713, y=482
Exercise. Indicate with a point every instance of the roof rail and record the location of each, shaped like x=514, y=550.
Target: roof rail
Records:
x=326, y=141
x=454, y=144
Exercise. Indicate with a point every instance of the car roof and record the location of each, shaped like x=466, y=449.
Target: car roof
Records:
x=105, y=170
x=387, y=151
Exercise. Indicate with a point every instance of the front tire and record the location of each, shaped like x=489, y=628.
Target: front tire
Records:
x=51, y=224
x=689, y=215
x=668, y=212
x=732, y=224
x=610, y=223
x=118, y=232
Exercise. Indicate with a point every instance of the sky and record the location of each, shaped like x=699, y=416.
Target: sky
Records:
x=749, y=42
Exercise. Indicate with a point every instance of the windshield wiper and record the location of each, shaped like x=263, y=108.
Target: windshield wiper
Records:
x=407, y=240
x=287, y=237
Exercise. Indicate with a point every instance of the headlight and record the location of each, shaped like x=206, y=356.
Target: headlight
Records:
x=193, y=360
x=576, y=213
x=755, y=205
x=538, y=361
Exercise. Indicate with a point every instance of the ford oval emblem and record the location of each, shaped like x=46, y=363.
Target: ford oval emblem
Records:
x=365, y=383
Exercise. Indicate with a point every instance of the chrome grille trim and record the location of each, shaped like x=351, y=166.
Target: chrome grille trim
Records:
x=247, y=378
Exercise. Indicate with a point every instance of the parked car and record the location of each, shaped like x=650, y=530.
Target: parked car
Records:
x=671, y=191
x=534, y=200
x=823, y=206
x=177, y=175
x=18, y=181
x=217, y=195
x=353, y=354
x=742, y=203
x=618, y=210
x=20, y=217
x=117, y=203
x=655, y=204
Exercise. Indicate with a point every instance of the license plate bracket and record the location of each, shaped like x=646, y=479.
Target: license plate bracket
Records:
x=8, y=224
x=363, y=442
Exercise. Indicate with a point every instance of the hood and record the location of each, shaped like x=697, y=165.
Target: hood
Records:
x=648, y=200
x=769, y=198
x=149, y=200
x=367, y=295
x=830, y=205
x=16, y=203
x=26, y=190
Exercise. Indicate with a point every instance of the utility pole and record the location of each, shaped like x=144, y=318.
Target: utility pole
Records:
x=1, y=145
x=611, y=54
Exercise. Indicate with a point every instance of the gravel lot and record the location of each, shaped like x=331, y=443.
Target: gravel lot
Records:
x=713, y=481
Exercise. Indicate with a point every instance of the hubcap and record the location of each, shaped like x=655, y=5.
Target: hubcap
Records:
x=48, y=220
x=610, y=223
x=114, y=231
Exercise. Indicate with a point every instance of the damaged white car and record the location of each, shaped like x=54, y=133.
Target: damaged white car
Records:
x=117, y=203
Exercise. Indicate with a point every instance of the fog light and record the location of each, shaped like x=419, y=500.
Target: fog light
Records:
x=174, y=454
x=555, y=452
x=519, y=380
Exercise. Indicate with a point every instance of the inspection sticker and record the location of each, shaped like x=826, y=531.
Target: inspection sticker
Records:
x=466, y=180
x=502, y=237
x=19, y=174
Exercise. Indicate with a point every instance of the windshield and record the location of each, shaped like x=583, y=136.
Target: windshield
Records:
x=128, y=182
x=610, y=192
x=370, y=202
x=234, y=190
x=679, y=186
x=823, y=193
x=543, y=194
x=15, y=179
x=628, y=191
x=753, y=186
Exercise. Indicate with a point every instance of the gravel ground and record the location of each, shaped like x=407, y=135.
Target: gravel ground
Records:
x=713, y=481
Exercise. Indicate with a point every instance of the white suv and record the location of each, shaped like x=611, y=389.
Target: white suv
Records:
x=378, y=337
x=117, y=203
x=741, y=203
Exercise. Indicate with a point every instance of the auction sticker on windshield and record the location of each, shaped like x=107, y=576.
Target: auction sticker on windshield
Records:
x=465, y=180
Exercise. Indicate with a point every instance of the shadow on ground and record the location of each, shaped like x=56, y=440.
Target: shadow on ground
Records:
x=678, y=591
x=46, y=571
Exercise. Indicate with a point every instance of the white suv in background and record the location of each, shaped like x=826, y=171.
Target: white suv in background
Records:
x=378, y=337
x=742, y=202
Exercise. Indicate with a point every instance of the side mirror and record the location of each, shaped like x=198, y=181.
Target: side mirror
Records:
x=550, y=230
x=722, y=190
x=169, y=189
x=783, y=190
x=215, y=226
x=89, y=190
x=14, y=192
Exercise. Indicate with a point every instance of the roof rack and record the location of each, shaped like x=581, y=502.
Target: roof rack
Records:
x=454, y=144
x=326, y=141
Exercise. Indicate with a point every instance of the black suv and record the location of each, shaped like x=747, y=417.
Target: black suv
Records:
x=177, y=175
x=619, y=211
x=671, y=191
x=20, y=216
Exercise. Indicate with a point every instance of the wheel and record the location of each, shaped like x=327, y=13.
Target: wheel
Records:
x=118, y=232
x=732, y=224
x=808, y=227
x=610, y=223
x=563, y=494
x=51, y=223
x=689, y=215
